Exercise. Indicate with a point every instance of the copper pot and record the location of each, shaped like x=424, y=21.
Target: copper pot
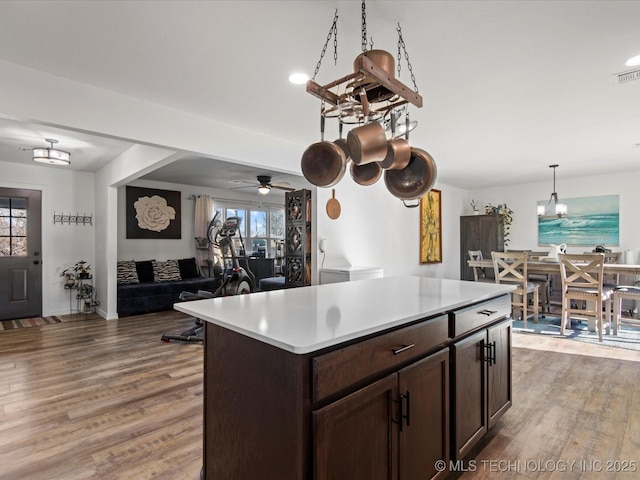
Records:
x=323, y=163
x=366, y=174
x=367, y=143
x=416, y=179
x=380, y=58
x=374, y=91
x=398, y=150
x=398, y=154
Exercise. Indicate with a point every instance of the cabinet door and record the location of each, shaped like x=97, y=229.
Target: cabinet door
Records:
x=479, y=232
x=356, y=437
x=499, y=372
x=424, y=438
x=469, y=393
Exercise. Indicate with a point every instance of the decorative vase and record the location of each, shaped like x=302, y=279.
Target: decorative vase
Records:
x=70, y=282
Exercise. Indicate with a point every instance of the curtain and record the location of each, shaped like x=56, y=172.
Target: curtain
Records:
x=203, y=214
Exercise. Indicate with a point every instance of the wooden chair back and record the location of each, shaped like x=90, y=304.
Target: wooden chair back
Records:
x=479, y=273
x=582, y=271
x=583, y=280
x=510, y=267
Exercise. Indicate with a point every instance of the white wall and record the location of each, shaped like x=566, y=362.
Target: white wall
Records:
x=522, y=199
x=63, y=191
x=376, y=229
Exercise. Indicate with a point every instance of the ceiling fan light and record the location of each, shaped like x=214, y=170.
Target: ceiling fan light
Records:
x=263, y=189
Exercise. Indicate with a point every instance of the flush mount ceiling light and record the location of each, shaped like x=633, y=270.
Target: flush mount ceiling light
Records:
x=559, y=210
x=50, y=155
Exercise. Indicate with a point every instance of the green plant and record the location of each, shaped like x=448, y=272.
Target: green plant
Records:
x=506, y=217
x=474, y=204
x=80, y=270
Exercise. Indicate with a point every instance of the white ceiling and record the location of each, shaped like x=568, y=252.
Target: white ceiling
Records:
x=509, y=87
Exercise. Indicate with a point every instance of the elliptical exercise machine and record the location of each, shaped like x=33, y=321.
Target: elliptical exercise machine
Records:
x=235, y=279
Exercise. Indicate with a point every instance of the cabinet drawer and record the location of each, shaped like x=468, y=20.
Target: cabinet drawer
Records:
x=337, y=370
x=471, y=318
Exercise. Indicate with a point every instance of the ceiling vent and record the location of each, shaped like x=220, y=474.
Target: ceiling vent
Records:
x=627, y=77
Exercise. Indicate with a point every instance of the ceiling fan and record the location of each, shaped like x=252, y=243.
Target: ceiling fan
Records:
x=265, y=184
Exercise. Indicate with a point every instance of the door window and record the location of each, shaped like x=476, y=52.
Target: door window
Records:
x=13, y=227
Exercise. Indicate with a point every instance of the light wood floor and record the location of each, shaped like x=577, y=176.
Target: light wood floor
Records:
x=108, y=400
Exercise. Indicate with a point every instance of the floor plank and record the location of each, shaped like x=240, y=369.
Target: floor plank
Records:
x=108, y=400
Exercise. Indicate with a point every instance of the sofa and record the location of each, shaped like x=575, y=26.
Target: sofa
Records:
x=151, y=286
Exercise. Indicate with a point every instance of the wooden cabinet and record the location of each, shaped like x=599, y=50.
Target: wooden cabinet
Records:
x=386, y=406
x=479, y=232
x=395, y=428
x=481, y=384
x=298, y=238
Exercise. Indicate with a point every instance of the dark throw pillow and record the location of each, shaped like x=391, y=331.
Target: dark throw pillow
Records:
x=188, y=268
x=145, y=271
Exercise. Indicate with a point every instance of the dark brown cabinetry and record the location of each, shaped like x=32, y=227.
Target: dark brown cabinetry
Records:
x=481, y=384
x=395, y=428
x=298, y=238
x=386, y=406
x=479, y=232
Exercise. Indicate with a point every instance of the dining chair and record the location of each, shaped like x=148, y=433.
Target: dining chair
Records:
x=582, y=279
x=511, y=268
x=479, y=273
x=543, y=280
x=619, y=293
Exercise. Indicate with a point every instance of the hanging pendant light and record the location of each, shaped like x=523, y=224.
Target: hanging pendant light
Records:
x=554, y=208
x=50, y=155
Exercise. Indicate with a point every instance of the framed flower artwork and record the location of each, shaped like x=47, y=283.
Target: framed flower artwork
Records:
x=153, y=213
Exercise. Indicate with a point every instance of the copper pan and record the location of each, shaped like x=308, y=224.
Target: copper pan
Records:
x=367, y=143
x=342, y=143
x=366, y=174
x=416, y=179
x=398, y=150
x=323, y=163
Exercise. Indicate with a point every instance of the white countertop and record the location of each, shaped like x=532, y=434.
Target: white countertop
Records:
x=306, y=319
x=351, y=268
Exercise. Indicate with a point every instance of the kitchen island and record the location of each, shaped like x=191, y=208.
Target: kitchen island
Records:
x=375, y=379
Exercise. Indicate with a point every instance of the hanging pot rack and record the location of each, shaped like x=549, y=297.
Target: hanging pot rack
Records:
x=371, y=94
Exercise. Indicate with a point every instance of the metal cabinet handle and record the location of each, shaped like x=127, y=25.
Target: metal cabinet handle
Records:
x=486, y=312
x=403, y=348
x=490, y=357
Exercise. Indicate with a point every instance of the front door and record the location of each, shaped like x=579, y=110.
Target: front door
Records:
x=20, y=259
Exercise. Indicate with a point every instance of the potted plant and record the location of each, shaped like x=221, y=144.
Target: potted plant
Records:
x=506, y=217
x=474, y=205
x=80, y=271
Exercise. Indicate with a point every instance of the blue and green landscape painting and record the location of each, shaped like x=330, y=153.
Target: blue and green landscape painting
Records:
x=591, y=221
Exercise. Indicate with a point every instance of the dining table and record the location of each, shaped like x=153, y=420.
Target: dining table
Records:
x=551, y=266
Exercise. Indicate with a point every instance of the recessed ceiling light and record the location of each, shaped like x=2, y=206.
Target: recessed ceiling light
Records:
x=298, y=78
x=633, y=61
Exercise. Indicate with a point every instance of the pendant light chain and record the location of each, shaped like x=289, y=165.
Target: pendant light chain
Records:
x=402, y=46
x=332, y=31
x=364, y=27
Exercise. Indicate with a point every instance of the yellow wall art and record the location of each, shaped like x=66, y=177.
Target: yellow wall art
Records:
x=431, y=227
